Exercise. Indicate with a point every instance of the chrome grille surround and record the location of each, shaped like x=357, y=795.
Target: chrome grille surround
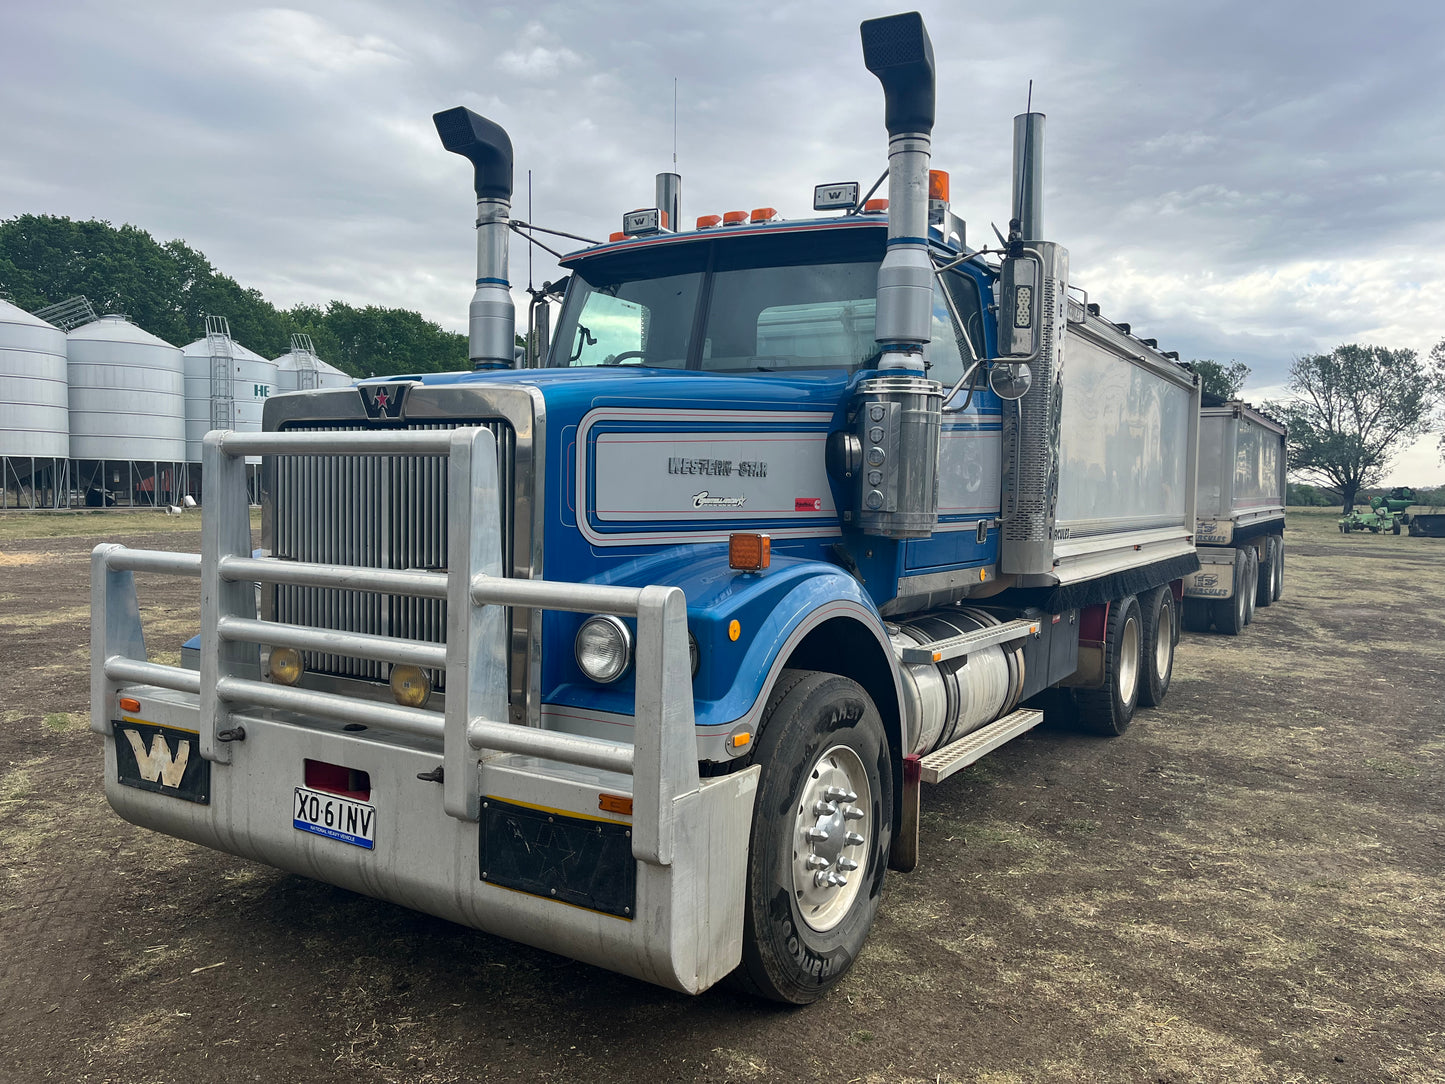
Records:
x=390, y=512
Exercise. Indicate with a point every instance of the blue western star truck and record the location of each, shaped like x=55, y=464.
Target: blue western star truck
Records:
x=640, y=649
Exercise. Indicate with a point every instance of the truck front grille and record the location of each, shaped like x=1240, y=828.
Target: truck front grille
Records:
x=373, y=512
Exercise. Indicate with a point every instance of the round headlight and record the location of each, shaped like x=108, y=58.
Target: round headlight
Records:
x=410, y=686
x=285, y=665
x=604, y=648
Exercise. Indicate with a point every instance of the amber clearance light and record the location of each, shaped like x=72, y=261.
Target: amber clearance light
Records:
x=750, y=552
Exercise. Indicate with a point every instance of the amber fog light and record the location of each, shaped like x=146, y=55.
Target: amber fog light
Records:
x=286, y=668
x=410, y=686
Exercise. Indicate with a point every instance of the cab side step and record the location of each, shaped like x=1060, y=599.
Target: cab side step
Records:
x=939, y=765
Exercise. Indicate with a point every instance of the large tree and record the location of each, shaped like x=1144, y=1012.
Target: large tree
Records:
x=1215, y=378
x=1354, y=408
x=169, y=289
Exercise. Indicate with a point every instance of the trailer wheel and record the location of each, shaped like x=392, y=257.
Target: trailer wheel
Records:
x=1231, y=613
x=1278, y=567
x=1157, y=654
x=1268, y=570
x=1251, y=576
x=1194, y=615
x=822, y=827
x=1108, y=711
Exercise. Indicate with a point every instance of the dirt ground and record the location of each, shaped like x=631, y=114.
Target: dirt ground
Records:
x=1245, y=887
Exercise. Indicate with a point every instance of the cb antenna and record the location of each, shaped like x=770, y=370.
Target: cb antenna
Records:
x=529, y=219
x=674, y=127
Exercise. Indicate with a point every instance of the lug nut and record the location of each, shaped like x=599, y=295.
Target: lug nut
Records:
x=816, y=861
x=824, y=809
x=820, y=835
x=852, y=813
x=852, y=839
x=847, y=865
x=839, y=794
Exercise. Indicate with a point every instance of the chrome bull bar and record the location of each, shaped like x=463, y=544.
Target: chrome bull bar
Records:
x=662, y=759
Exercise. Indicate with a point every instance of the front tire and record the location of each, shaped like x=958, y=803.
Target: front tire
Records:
x=822, y=828
x=1157, y=654
x=1278, y=567
x=1110, y=710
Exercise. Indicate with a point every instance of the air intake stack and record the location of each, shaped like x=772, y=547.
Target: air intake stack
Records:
x=899, y=416
x=896, y=49
x=492, y=317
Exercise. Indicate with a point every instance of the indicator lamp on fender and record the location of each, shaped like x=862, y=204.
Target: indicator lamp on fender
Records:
x=604, y=648
x=410, y=686
x=750, y=552
x=285, y=666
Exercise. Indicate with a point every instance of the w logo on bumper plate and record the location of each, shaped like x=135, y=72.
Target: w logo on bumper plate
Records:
x=161, y=759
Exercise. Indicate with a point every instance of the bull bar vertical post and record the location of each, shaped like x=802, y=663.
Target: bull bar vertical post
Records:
x=225, y=533
x=476, y=638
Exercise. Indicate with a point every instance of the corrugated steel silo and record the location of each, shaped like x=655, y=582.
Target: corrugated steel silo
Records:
x=291, y=374
x=126, y=395
x=34, y=409
x=253, y=378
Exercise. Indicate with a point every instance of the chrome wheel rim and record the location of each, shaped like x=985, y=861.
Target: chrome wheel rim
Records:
x=1128, y=659
x=831, y=833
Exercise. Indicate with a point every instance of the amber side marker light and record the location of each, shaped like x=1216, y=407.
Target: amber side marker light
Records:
x=130, y=704
x=750, y=552
x=615, y=803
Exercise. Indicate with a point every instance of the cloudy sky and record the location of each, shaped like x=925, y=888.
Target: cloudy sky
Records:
x=1245, y=181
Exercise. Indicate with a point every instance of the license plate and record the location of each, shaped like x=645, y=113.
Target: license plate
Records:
x=334, y=817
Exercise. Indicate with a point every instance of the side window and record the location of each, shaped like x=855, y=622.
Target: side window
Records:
x=942, y=355
x=609, y=328
x=963, y=289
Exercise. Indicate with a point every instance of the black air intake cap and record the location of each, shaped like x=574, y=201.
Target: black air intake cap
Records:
x=486, y=145
x=897, y=50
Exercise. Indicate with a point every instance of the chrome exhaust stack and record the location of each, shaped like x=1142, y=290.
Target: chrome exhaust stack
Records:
x=492, y=318
x=669, y=199
x=1028, y=186
x=897, y=50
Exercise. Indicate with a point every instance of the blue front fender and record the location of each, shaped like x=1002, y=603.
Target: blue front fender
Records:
x=773, y=611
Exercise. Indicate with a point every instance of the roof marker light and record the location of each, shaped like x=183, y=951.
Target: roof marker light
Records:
x=875, y=207
x=618, y=236
x=938, y=184
x=735, y=218
x=707, y=222
x=764, y=214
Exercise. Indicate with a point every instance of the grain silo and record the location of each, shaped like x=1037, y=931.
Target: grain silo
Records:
x=127, y=421
x=301, y=370
x=34, y=423
x=214, y=402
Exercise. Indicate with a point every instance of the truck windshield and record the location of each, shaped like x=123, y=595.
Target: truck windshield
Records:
x=773, y=304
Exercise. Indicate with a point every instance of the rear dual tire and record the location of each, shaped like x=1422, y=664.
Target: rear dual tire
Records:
x=1110, y=710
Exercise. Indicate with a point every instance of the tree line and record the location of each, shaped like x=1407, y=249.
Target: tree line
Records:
x=169, y=288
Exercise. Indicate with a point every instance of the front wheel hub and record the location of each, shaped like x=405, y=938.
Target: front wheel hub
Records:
x=832, y=829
